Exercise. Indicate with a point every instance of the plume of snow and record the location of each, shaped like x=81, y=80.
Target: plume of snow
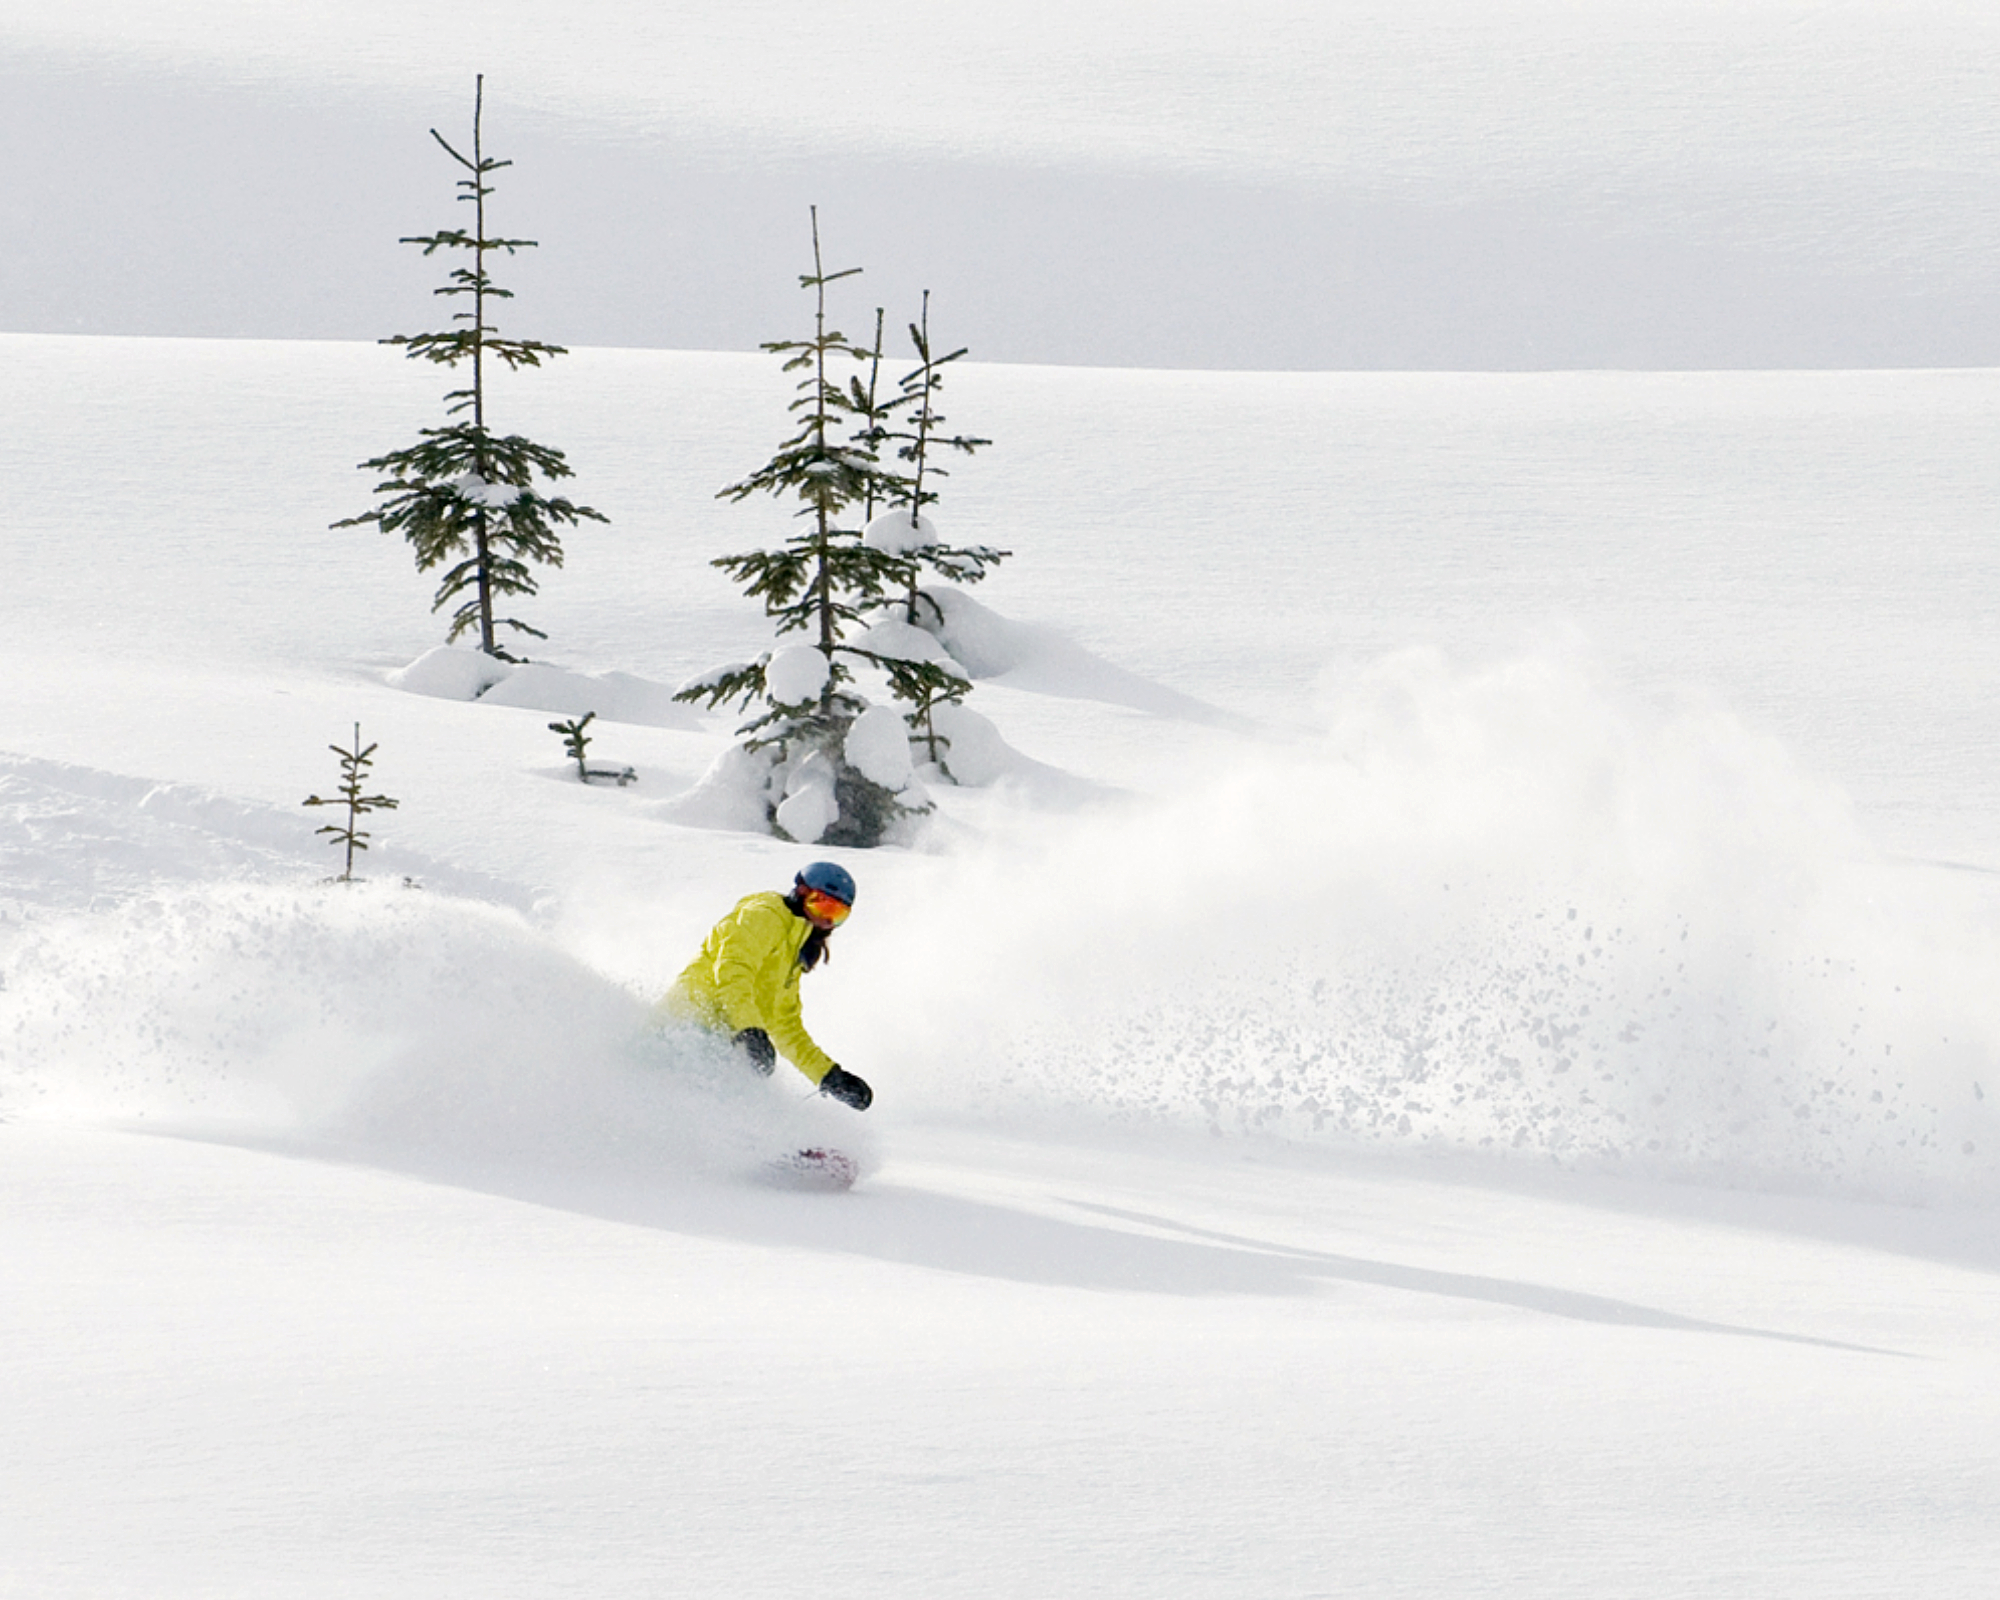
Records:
x=1505, y=909
x=381, y=1022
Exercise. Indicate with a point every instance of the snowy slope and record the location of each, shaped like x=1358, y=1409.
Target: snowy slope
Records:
x=1448, y=184
x=1002, y=1370
x=1399, y=1117
x=1576, y=723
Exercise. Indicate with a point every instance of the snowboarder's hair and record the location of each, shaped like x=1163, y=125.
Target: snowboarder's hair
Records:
x=814, y=950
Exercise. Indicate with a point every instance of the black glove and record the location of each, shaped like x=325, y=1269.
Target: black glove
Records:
x=847, y=1089
x=756, y=1044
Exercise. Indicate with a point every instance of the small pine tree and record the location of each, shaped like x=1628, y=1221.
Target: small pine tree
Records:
x=924, y=696
x=873, y=412
x=924, y=686
x=354, y=765
x=921, y=387
x=463, y=496
x=824, y=578
x=576, y=742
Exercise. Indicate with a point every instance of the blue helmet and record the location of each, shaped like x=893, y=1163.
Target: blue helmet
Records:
x=829, y=878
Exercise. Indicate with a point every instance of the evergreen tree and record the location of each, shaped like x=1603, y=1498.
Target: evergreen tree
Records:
x=912, y=538
x=873, y=412
x=354, y=765
x=576, y=741
x=576, y=745
x=463, y=496
x=823, y=578
x=925, y=434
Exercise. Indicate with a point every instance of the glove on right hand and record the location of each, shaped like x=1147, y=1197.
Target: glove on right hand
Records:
x=756, y=1044
x=847, y=1088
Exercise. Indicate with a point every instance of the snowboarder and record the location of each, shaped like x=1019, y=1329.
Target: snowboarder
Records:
x=745, y=982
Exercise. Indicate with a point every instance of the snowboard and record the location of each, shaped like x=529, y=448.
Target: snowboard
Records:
x=824, y=1170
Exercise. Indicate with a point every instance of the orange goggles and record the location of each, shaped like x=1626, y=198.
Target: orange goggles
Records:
x=823, y=908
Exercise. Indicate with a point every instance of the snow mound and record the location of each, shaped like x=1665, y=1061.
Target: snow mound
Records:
x=733, y=795
x=614, y=696
x=878, y=747
x=450, y=673
x=1043, y=660
x=745, y=791
x=897, y=640
x=976, y=755
x=809, y=807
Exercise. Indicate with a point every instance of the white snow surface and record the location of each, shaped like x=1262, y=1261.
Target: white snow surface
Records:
x=452, y=673
x=1037, y=657
x=1457, y=1057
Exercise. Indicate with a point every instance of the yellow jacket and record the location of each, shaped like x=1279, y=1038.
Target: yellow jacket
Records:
x=747, y=976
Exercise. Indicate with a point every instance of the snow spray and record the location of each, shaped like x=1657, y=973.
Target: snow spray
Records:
x=380, y=1023
x=1506, y=909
